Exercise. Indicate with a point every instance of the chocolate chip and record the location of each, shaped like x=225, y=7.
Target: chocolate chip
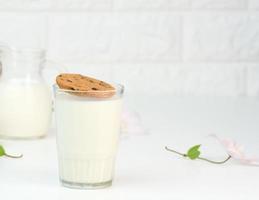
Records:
x=94, y=88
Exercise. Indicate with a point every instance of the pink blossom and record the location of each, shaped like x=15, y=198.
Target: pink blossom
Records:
x=236, y=151
x=131, y=123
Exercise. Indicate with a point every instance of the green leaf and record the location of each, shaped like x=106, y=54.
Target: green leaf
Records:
x=194, y=152
x=2, y=151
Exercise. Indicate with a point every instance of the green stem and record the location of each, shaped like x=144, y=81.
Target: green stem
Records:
x=200, y=158
x=215, y=162
x=12, y=156
x=171, y=150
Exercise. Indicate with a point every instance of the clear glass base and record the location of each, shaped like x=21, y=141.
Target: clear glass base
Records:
x=86, y=186
x=22, y=138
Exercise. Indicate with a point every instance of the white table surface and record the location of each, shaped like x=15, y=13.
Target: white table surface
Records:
x=144, y=169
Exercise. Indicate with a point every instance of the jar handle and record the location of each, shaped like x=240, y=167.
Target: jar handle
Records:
x=59, y=67
x=1, y=66
x=3, y=47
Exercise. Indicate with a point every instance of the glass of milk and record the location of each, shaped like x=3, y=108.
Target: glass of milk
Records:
x=25, y=99
x=87, y=137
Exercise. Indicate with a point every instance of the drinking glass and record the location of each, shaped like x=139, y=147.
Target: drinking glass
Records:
x=87, y=137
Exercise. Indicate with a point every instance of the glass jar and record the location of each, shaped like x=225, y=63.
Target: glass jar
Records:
x=25, y=98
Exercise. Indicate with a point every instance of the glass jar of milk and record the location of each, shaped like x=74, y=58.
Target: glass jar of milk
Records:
x=25, y=99
x=87, y=137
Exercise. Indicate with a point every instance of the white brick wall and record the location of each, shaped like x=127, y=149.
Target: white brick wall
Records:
x=219, y=4
x=190, y=47
x=254, y=4
x=151, y=5
x=96, y=5
x=107, y=37
x=23, y=29
x=221, y=37
x=253, y=81
x=177, y=79
x=18, y=5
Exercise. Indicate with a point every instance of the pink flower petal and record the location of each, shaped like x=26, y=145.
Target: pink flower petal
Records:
x=236, y=151
x=131, y=123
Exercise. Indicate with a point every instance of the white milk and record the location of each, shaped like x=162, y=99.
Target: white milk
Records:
x=25, y=110
x=87, y=137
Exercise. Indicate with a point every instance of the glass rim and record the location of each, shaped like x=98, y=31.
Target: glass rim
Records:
x=119, y=89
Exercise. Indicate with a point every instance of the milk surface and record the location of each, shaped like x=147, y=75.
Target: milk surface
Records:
x=25, y=110
x=87, y=137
